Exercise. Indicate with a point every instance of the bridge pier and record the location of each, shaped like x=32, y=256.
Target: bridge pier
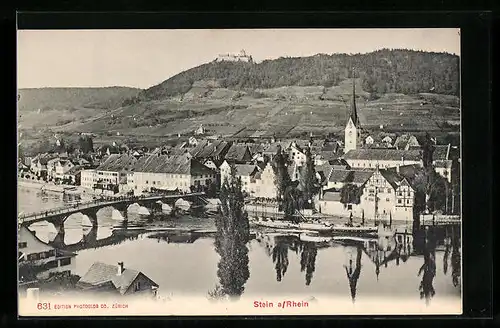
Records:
x=92, y=215
x=91, y=237
x=58, y=241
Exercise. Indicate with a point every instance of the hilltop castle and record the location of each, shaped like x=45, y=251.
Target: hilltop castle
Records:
x=241, y=57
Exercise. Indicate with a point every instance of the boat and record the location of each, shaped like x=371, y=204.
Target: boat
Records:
x=314, y=238
x=315, y=226
x=347, y=229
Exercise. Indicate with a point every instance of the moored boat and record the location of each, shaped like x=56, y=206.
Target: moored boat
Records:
x=314, y=238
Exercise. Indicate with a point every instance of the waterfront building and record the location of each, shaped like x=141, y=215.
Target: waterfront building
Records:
x=88, y=178
x=169, y=173
x=117, y=279
x=38, y=260
x=112, y=174
x=246, y=172
x=264, y=185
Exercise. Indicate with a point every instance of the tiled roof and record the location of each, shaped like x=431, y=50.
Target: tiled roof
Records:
x=441, y=152
x=350, y=176
x=206, y=149
x=117, y=162
x=101, y=273
x=237, y=152
x=392, y=177
x=272, y=148
x=333, y=196
x=383, y=154
x=245, y=169
x=403, y=140
x=171, y=165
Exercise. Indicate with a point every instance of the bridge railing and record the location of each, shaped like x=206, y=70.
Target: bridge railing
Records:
x=96, y=202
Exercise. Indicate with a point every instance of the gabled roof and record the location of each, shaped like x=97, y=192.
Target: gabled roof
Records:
x=350, y=176
x=245, y=169
x=171, y=165
x=403, y=140
x=441, y=152
x=102, y=273
x=382, y=154
x=237, y=152
x=117, y=162
x=333, y=196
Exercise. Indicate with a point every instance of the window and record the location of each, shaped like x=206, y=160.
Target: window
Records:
x=147, y=182
x=66, y=261
x=137, y=286
x=387, y=200
x=399, y=201
x=22, y=244
x=407, y=201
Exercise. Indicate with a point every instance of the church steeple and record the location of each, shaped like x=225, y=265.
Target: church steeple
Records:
x=353, y=115
x=352, y=130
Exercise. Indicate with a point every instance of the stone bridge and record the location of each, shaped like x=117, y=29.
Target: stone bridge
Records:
x=57, y=216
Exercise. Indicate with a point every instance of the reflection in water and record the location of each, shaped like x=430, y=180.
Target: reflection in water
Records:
x=280, y=258
x=233, y=233
x=308, y=260
x=353, y=273
x=428, y=269
x=455, y=262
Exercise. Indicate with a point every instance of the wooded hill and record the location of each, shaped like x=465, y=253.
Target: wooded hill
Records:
x=382, y=71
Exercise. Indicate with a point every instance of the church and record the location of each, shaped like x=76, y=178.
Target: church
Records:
x=370, y=158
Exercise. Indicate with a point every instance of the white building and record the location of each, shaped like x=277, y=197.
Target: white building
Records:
x=383, y=158
x=264, y=185
x=32, y=252
x=113, y=172
x=169, y=173
x=246, y=172
x=88, y=178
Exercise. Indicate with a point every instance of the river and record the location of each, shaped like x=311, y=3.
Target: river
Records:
x=184, y=264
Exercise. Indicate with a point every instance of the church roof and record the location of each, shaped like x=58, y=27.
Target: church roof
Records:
x=383, y=154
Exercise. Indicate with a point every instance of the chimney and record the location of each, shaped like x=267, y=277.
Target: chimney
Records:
x=120, y=268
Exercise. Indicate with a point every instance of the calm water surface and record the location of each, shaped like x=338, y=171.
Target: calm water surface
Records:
x=184, y=264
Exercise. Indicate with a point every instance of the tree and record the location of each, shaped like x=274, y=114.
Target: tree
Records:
x=233, y=232
x=308, y=184
x=350, y=194
x=282, y=178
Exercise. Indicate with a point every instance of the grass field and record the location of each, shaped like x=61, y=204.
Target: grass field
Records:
x=290, y=111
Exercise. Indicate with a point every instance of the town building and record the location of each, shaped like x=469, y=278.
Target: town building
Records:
x=442, y=161
x=238, y=153
x=111, y=175
x=406, y=142
x=385, y=195
x=38, y=260
x=264, y=185
x=383, y=158
x=169, y=173
x=245, y=172
x=88, y=178
x=200, y=130
x=117, y=279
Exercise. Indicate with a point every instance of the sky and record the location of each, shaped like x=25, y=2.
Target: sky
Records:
x=143, y=58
